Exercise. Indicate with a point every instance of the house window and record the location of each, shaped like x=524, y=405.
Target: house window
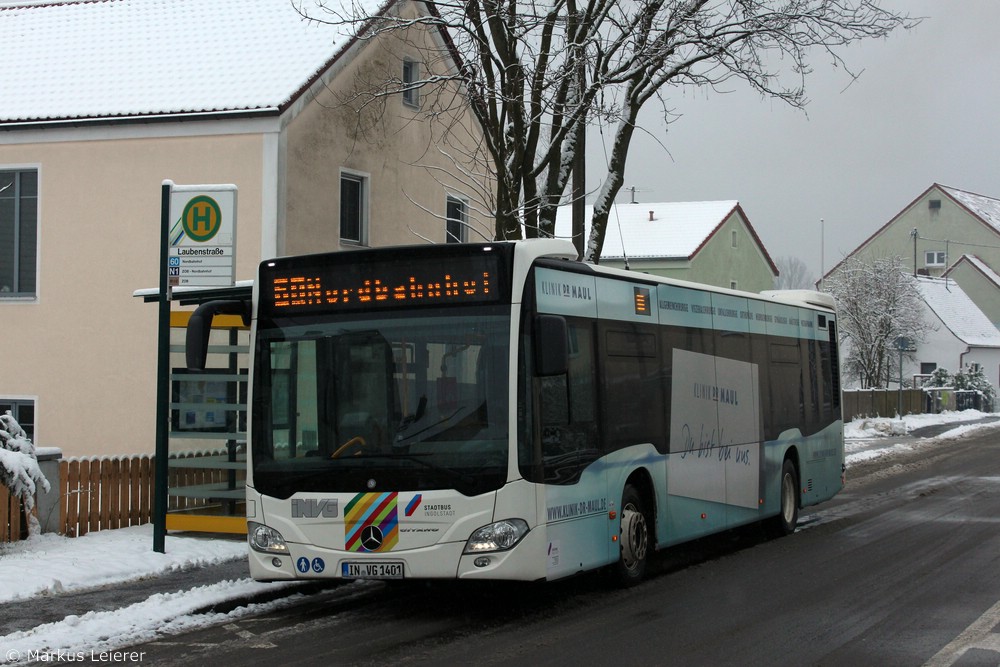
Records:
x=927, y=367
x=18, y=233
x=934, y=258
x=734, y=239
x=23, y=411
x=733, y=284
x=457, y=215
x=353, y=208
x=411, y=74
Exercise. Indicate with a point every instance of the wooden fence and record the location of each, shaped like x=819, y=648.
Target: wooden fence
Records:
x=859, y=403
x=10, y=516
x=883, y=403
x=100, y=493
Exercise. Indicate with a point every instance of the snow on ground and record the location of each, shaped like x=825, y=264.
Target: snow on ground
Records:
x=859, y=434
x=48, y=565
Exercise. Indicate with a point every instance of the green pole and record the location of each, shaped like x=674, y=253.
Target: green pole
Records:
x=162, y=381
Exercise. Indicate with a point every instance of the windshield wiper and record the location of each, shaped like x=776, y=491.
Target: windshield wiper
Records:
x=405, y=427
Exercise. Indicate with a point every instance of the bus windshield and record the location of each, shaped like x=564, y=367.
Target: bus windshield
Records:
x=407, y=400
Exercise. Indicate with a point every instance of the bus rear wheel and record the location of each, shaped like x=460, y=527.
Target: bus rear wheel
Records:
x=633, y=538
x=788, y=515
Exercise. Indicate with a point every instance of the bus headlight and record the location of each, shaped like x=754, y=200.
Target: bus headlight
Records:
x=498, y=536
x=265, y=539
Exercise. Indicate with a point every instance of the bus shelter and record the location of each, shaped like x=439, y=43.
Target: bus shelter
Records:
x=205, y=467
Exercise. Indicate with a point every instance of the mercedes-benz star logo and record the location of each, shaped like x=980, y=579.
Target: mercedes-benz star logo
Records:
x=371, y=538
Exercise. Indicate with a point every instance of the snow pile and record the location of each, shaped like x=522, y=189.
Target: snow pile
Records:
x=875, y=428
x=859, y=433
x=95, y=632
x=51, y=564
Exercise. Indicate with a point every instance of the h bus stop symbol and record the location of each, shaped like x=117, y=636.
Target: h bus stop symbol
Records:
x=202, y=218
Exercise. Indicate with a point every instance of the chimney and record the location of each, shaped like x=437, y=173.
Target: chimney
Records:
x=650, y=216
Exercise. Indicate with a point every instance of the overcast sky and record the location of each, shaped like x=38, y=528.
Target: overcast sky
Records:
x=923, y=111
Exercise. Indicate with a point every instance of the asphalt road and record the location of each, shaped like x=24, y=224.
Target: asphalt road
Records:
x=900, y=569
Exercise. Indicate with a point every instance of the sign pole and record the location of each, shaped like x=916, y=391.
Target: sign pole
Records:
x=162, y=381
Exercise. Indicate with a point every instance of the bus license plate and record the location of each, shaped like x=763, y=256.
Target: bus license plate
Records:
x=372, y=570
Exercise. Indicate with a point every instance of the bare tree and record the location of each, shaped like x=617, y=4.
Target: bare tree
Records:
x=877, y=304
x=793, y=274
x=536, y=73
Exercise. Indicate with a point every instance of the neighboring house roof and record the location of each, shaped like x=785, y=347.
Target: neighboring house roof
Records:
x=979, y=265
x=985, y=208
x=111, y=59
x=957, y=312
x=671, y=230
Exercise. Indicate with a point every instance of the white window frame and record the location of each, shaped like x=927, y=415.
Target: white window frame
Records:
x=463, y=235
x=936, y=258
x=365, y=185
x=19, y=296
x=410, y=75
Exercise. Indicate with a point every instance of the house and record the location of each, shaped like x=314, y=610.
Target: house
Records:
x=951, y=233
x=104, y=101
x=709, y=242
x=961, y=335
x=938, y=227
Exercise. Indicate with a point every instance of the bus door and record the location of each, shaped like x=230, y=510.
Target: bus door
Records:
x=576, y=500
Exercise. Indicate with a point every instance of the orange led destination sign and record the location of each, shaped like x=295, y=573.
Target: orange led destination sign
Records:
x=383, y=279
x=314, y=291
x=332, y=283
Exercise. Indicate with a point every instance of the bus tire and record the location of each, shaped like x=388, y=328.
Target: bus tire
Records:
x=634, y=538
x=788, y=512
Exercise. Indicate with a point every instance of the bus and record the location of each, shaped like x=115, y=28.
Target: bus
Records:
x=504, y=411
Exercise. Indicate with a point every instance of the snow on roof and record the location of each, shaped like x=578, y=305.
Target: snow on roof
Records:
x=979, y=265
x=957, y=312
x=676, y=230
x=115, y=58
x=986, y=208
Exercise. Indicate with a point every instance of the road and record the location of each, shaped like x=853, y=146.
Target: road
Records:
x=899, y=569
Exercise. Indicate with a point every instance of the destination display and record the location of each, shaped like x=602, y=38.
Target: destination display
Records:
x=381, y=285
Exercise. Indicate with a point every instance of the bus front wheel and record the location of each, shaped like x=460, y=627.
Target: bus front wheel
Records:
x=634, y=538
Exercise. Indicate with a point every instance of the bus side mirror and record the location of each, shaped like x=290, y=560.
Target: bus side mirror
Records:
x=200, y=327
x=551, y=351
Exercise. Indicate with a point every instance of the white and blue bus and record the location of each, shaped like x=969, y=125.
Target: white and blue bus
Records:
x=503, y=411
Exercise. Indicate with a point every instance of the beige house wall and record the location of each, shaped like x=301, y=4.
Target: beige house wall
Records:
x=408, y=155
x=85, y=349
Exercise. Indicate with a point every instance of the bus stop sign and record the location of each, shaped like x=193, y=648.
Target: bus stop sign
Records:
x=202, y=236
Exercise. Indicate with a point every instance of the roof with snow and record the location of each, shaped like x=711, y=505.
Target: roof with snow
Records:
x=671, y=230
x=104, y=59
x=979, y=265
x=985, y=208
x=957, y=312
